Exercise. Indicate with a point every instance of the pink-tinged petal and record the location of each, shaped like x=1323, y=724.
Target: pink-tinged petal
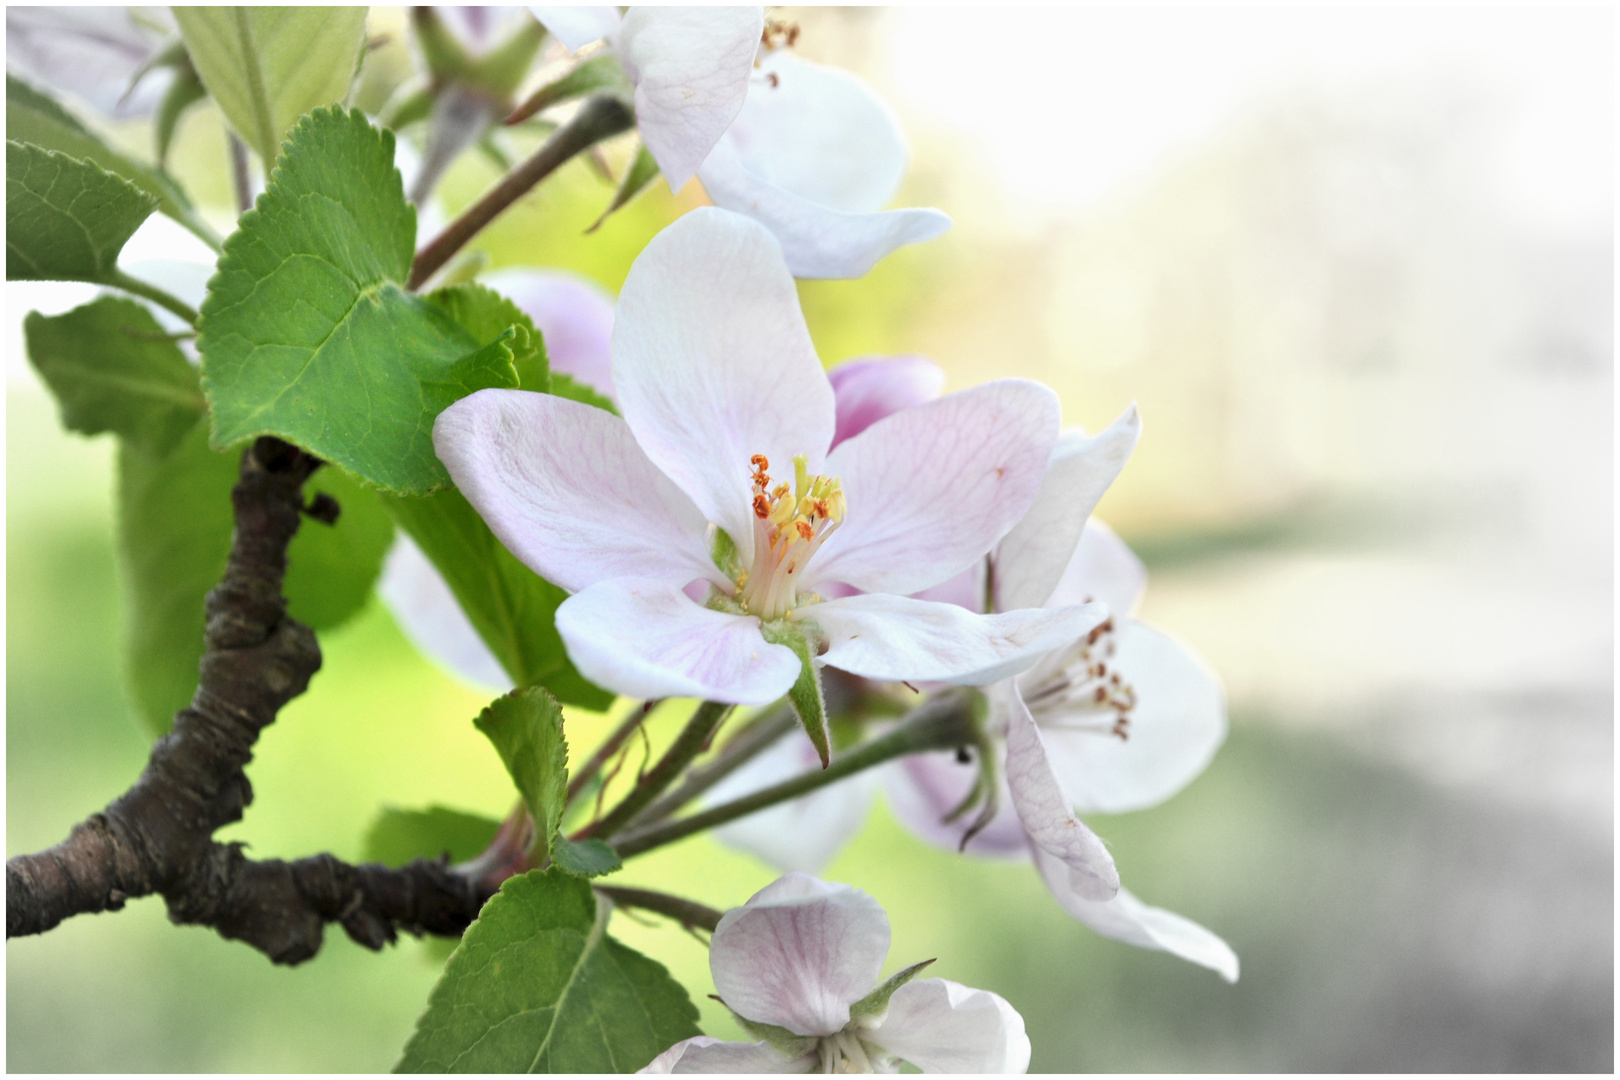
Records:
x=1030, y=559
x=923, y=788
x=480, y=29
x=567, y=489
x=930, y=489
x=90, y=52
x=1104, y=569
x=647, y=639
x=799, y=953
x=691, y=67
x=944, y=1027
x=713, y=364
x=965, y=590
x=802, y=834
x=427, y=612
x=574, y=316
x=1127, y=919
x=707, y=1055
x=817, y=241
x=868, y=389
x=577, y=27
x=898, y=638
x=1045, y=808
x=1177, y=725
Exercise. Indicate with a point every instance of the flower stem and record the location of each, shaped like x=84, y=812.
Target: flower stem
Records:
x=599, y=118
x=119, y=279
x=760, y=733
x=686, y=912
x=941, y=723
x=581, y=779
x=691, y=742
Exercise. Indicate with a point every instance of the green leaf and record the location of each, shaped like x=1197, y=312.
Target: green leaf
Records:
x=267, y=66
x=33, y=117
x=537, y=985
x=306, y=333
x=66, y=219
x=571, y=388
x=485, y=314
x=174, y=533
x=585, y=858
x=398, y=836
x=512, y=608
x=526, y=727
x=113, y=368
x=805, y=694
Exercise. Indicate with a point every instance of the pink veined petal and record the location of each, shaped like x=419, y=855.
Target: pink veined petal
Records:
x=577, y=26
x=923, y=788
x=427, y=612
x=1177, y=725
x=897, y=638
x=799, y=953
x=1031, y=558
x=648, y=639
x=691, y=67
x=569, y=492
x=1103, y=568
x=1044, y=807
x=944, y=1027
x=713, y=364
x=868, y=389
x=575, y=316
x=1127, y=919
x=817, y=241
x=704, y=1054
x=804, y=833
x=930, y=489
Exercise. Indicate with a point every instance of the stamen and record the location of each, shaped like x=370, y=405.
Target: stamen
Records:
x=790, y=525
x=1088, y=693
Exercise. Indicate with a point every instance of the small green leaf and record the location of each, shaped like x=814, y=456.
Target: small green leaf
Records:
x=537, y=985
x=875, y=1006
x=267, y=66
x=113, y=368
x=398, y=836
x=66, y=219
x=585, y=858
x=485, y=314
x=805, y=694
x=641, y=171
x=571, y=388
x=526, y=727
x=306, y=333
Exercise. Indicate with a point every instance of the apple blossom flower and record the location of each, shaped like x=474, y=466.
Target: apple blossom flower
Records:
x=798, y=964
x=719, y=384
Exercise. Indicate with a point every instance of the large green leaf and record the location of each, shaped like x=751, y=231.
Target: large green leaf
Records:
x=537, y=985
x=267, y=66
x=174, y=533
x=526, y=727
x=306, y=333
x=113, y=368
x=398, y=836
x=66, y=219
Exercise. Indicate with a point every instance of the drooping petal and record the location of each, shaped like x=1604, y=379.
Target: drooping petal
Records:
x=569, y=492
x=817, y=241
x=705, y=1054
x=1030, y=559
x=713, y=364
x=1045, y=808
x=91, y=52
x=577, y=27
x=426, y=610
x=931, y=488
x=574, y=316
x=691, y=67
x=944, y=1027
x=898, y=638
x=868, y=389
x=1177, y=725
x=804, y=833
x=1103, y=568
x=799, y=953
x=648, y=639
x=1127, y=919
x=923, y=789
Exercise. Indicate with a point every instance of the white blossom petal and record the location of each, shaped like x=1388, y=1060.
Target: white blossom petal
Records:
x=690, y=66
x=91, y=52
x=713, y=364
x=802, y=834
x=944, y=1027
x=481, y=28
x=573, y=315
x=427, y=612
x=930, y=489
x=705, y=1054
x=1031, y=559
x=866, y=390
x=1105, y=569
x=799, y=953
x=648, y=639
x=923, y=788
x=578, y=26
x=898, y=638
x=569, y=492
x=1127, y=919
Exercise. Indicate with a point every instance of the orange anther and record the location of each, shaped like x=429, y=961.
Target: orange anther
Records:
x=762, y=507
x=805, y=530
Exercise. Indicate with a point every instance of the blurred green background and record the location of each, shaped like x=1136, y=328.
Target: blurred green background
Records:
x=1374, y=490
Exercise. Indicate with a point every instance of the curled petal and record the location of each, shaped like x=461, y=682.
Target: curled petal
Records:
x=1127, y=919
x=802, y=834
x=944, y=1027
x=578, y=26
x=932, y=488
x=573, y=315
x=1103, y=568
x=867, y=390
x=569, y=492
x=647, y=639
x=704, y=1054
x=799, y=953
x=427, y=612
x=923, y=789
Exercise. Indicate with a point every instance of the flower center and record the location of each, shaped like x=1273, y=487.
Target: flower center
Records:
x=790, y=524
x=845, y=1053
x=1087, y=693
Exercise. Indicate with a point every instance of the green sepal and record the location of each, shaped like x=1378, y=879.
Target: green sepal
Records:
x=502, y=70
x=805, y=694
x=598, y=73
x=641, y=171
x=526, y=727
x=871, y=1009
x=585, y=858
x=66, y=218
x=184, y=91
x=410, y=103
x=782, y=1040
x=724, y=553
x=398, y=836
